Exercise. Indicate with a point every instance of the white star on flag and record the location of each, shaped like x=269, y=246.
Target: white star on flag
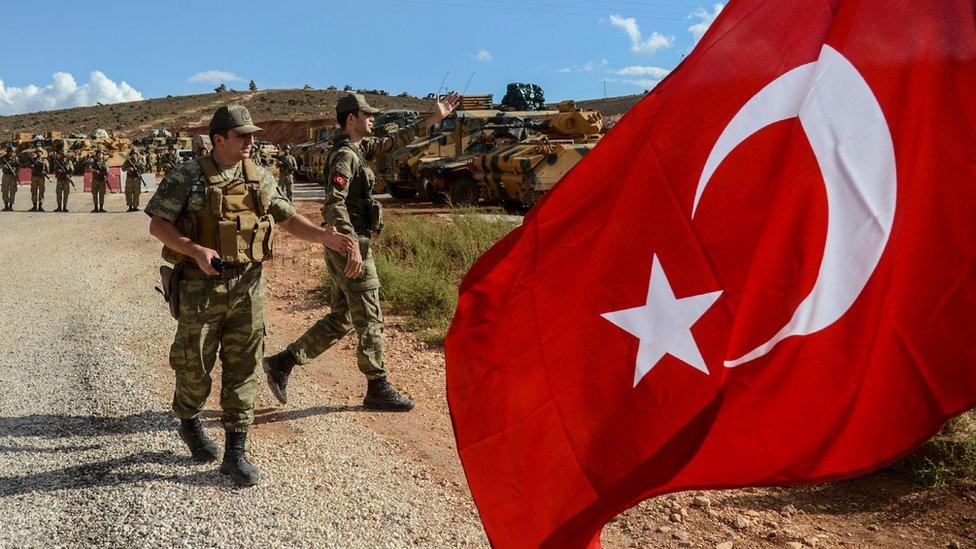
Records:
x=663, y=324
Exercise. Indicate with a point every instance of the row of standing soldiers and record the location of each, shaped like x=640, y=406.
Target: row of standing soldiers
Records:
x=62, y=167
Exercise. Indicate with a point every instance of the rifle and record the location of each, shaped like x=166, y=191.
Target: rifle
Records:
x=139, y=170
x=60, y=167
x=6, y=164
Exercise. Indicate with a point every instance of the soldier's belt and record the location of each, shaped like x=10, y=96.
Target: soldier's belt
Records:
x=231, y=270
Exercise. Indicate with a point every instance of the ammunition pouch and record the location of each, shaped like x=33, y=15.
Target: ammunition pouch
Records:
x=170, y=287
x=375, y=217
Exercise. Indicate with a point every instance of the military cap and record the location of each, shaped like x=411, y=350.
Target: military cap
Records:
x=354, y=102
x=233, y=117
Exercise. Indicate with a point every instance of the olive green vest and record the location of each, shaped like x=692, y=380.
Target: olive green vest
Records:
x=230, y=217
x=364, y=212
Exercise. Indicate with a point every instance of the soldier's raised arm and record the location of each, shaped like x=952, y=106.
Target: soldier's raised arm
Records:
x=382, y=145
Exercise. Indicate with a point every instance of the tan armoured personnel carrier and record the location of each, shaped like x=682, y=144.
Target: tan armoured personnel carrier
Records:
x=516, y=157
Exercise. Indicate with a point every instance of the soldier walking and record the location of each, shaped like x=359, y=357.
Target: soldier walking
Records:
x=99, y=180
x=63, y=168
x=10, y=166
x=216, y=217
x=350, y=207
x=39, y=170
x=133, y=182
x=287, y=166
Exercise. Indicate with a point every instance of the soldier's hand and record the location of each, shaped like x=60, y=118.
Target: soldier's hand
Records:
x=203, y=258
x=338, y=241
x=446, y=106
x=354, y=263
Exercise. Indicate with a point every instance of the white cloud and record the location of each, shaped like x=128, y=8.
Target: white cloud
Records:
x=590, y=66
x=638, y=44
x=64, y=93
x=483, y=55
x=705, y=20
x=214, y=77
x=653, y=72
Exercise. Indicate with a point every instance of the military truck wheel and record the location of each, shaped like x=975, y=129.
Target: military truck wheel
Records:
x=380, y=187
x=396, y=191
x=465, y=192
x=430, y=193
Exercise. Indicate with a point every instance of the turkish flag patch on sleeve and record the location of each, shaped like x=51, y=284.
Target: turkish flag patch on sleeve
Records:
x=340, y=180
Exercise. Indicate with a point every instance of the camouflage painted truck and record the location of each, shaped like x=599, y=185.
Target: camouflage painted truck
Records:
x=516, y=157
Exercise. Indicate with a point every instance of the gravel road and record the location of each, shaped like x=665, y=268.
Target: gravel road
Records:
x=88, y=449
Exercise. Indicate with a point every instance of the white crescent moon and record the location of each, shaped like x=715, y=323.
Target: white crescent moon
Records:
x=852, y=143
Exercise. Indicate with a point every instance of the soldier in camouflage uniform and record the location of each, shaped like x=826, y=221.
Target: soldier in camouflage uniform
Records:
x=99, y=181
x=349, y=205
x=40, y=167
x=224, y=207
x=133, y=182
x=10, y=166
x=63, y=168
x=169, y=160
x=151, y=161
x=287, y=166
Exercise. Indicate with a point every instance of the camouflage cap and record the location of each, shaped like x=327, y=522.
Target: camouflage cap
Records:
x=233, y=117
x=354, y=102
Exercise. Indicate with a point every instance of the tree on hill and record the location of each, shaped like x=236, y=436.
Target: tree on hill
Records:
x=221, y=88
x=252, y=86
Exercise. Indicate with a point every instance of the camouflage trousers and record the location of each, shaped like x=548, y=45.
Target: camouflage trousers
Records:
x=61, y=190
x=98, y=193
x=355, y=304
x=37, y=189
x=219, y=317
x=133, y=188
x=286, y=182
x=9, y=187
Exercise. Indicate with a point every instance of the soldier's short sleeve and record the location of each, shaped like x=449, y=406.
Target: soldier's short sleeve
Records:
x=278, y=204
x=171, y=195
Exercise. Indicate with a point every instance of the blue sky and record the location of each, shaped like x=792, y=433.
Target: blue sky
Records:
x=116, y=51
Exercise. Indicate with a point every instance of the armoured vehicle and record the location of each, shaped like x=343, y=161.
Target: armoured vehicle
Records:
x=515, y=157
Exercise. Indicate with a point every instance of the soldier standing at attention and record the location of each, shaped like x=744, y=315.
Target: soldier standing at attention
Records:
x=224, y=207
x=286, y=171
x=63, y=168
x=39, y=170
x=151, y=161
x=99, y=170
x=9, y=165
x=133, y=182
x=350, y=207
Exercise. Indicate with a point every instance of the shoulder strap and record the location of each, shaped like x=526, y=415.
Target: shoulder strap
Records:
x=250, y=171
x=209, y=169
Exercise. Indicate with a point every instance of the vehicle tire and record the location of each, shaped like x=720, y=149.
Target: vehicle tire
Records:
x=380, y=187
x=430, y=193
x=396, y=191
x=465, y=192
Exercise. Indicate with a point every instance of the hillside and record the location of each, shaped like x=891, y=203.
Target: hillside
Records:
x=185, y=112
x=285, y=114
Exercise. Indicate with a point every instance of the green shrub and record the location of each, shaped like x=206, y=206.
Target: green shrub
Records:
x=421, y=260
x=949, y=457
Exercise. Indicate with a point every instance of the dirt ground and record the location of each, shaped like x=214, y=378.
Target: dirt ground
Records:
x=878, y=510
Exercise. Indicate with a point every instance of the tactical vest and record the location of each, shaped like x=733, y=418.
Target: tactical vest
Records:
x=365, y=213
x=227, y=216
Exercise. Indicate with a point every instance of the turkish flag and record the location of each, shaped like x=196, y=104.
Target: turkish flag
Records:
x=764, y=274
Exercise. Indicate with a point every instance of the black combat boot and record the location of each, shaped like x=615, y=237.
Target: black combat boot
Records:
x=203, y=448
x=380, y=396
x=33, y=208
x=277, y=368
x=40, y=207
x=235, y=462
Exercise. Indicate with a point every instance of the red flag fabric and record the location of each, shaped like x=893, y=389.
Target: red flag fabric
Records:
x=764, y=274
x=113, y=184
